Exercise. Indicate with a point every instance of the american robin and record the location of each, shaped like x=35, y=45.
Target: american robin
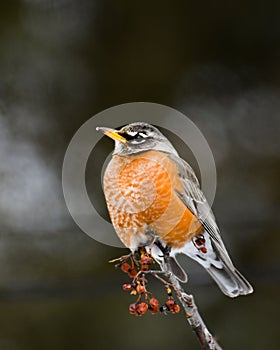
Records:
x=155, y=201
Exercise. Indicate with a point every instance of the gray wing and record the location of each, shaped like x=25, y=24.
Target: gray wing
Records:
x=196, y=202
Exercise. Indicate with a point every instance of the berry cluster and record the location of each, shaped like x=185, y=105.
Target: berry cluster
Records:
x=170, y=305
x=137, y=270
x=140, y=308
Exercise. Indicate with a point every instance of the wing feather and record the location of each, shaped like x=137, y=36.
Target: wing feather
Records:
x=195, y=201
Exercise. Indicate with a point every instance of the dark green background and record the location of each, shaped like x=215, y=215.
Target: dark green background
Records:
x=63, y=61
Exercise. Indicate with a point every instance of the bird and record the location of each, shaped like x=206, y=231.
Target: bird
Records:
x=155, y=201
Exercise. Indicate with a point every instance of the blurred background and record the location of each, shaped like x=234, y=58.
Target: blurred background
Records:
x=63, y=61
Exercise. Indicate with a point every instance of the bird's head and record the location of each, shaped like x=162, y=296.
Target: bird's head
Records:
x=137, y=137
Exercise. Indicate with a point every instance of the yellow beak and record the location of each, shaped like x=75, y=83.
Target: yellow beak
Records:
x=113, y=134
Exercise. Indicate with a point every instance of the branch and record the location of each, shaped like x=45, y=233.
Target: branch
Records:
x=138, y=269
x=194, y=319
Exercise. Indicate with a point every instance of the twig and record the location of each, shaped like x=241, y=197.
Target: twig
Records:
x=207, y=341
x=138, y=269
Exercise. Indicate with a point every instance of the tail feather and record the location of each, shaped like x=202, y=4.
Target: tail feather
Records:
x=231, y=282
x=218, y=264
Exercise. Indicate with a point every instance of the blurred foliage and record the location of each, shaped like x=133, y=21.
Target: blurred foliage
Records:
x=61, y=62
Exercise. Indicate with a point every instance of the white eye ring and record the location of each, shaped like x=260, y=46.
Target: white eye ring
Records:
x=136, y=141
x=132, y=133
x=142, y=134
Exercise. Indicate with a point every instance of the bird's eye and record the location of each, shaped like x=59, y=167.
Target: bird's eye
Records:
x=135, y=135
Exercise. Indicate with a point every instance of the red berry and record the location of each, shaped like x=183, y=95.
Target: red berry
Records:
x=141, y=309
x=125, y=267
x=132, y=273
x=145, y=267
x=127, y=286
x=175, y=309
x=200, y=241
x=155, y=311
x=140, y=289
x=170, y=303
x=154, y=303
x=132, y=309
x=146, y=260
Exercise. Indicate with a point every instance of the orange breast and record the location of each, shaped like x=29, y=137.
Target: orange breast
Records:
x=140, y=195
